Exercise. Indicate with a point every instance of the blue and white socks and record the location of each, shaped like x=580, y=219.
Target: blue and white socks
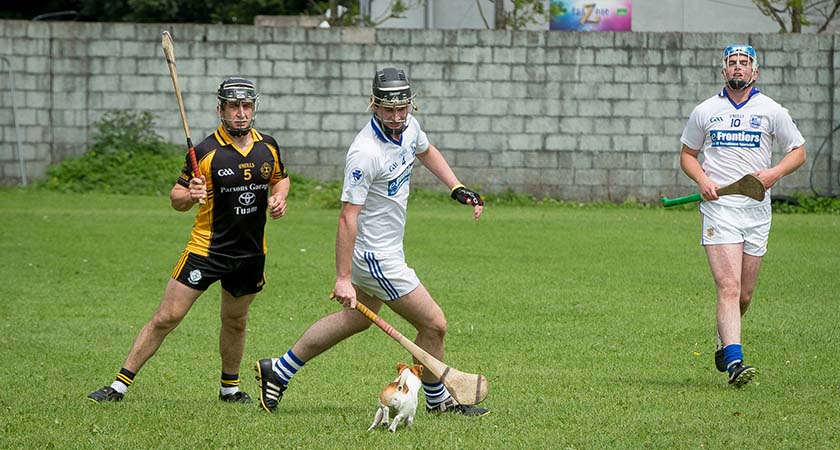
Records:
x=732, y=355
x=287, y=366
x=435, y=393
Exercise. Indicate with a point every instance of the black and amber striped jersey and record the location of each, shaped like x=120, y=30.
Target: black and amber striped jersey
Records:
x=239, y=180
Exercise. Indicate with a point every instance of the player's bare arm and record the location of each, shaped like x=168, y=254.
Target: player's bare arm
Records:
x=277, y=201
x=344, y=242
x=183, y=198
x=434, y=161
x=792, y=161
x=691, y=166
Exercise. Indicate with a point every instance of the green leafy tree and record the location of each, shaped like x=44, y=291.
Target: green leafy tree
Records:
x=396, y=10
x=349, y=13
x=191, y=11
x=817, y=13
x=524, y=13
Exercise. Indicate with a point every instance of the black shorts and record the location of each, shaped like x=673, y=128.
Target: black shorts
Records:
x=240, y=276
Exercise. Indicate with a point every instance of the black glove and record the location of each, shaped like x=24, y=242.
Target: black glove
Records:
x=466, y=196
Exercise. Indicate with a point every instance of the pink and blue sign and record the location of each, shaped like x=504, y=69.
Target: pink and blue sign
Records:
x=589, y=15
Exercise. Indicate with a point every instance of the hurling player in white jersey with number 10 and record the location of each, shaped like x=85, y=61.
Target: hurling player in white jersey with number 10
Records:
x=369, y=258
x=736, y=130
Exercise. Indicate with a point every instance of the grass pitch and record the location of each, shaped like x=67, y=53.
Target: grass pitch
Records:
x=593, y=326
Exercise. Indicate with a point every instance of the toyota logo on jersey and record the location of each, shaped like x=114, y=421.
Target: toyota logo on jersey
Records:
x=247, y=198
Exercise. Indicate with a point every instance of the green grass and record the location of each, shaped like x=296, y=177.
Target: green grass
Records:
x=586, y=322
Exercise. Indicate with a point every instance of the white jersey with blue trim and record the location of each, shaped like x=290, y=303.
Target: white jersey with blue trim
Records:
x=737, y=139
x=377, y=175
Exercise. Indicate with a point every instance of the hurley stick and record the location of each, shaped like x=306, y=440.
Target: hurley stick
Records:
x=169, y=53
x=749, y=185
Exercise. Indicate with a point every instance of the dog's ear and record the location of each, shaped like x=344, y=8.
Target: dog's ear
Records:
x=400, y=367
x=417, y=369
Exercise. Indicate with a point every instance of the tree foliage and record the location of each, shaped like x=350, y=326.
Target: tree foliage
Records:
x=179, y=11
x=352, y=15
x=525, y=12
x=818, y=13
x=199, y=11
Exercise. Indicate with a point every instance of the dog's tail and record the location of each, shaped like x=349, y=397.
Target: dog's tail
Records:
x=402, y=381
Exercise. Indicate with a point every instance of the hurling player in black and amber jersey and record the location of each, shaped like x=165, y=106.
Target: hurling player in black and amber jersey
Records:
x=238, y=180
x=243, y=179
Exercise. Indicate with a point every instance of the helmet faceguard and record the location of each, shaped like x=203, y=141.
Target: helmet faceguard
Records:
x=738, y=84
x=237, y=90
x=391, y=90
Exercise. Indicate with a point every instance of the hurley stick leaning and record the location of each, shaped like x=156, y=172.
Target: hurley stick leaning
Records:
x=466, y=388
x=749, y=185
x=169, y=53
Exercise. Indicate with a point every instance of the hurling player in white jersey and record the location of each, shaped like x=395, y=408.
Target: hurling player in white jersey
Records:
x=369, y=258
x=735, y=131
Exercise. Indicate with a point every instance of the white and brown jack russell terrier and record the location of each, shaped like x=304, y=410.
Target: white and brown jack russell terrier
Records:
x=399, y=398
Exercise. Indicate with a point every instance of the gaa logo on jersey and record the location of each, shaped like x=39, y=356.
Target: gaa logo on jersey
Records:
x=755, y=121
x=195, y=276
x=265, y=170
x=356, y=176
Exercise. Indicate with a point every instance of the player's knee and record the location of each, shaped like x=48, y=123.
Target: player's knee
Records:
x=746, y=298
x=355, y=321
x=437, y=326
x=235, y=324
x=359, y=326
x=729, y=290
x=164, y=322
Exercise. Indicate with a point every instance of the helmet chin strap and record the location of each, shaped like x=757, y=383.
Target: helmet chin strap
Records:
x=738, y=84
x=236, y=132
x=393, y=131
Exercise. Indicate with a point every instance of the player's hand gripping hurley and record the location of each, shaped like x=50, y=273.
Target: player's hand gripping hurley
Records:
x=169, y=53
x=465, y=388
x=749, y=185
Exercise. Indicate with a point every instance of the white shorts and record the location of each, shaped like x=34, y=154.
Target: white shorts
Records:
x=728, y=225
x=385, y=276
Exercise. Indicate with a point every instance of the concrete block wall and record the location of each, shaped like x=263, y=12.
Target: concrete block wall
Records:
x=580, y=116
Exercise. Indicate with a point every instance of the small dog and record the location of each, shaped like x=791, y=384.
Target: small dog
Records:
x=399, y=398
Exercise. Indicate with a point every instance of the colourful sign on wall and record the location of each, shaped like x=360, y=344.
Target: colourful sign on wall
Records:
x=591, y=15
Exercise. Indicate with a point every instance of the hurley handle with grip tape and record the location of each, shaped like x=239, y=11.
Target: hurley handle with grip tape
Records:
x=681, y=200
x=749, y=185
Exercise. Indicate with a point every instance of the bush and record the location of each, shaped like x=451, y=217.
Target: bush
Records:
x=128, y=131
x=804, y=204
x=127, y=157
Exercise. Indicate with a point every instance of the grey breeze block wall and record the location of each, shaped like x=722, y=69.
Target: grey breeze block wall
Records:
x=580, y=116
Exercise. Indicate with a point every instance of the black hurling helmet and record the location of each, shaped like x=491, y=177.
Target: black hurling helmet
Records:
x=392, y=90
x=237, y=89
